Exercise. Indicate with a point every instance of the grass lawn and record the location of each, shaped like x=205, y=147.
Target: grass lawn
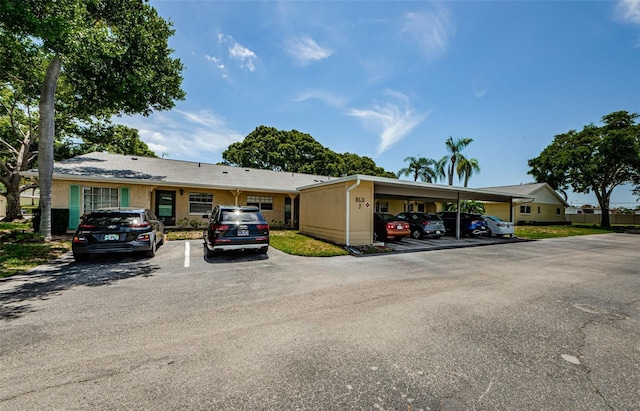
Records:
x=292, y=242
x=554, y=231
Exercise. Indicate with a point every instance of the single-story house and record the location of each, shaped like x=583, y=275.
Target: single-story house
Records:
x=181, y=192
x=538, y=202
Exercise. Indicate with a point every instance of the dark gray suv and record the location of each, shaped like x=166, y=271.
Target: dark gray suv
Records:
x=121, y=230
x=236, y=228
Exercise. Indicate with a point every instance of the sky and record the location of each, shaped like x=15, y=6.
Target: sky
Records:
x=392, y=79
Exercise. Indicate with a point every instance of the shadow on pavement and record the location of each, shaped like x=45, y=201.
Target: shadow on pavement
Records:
x=63, y=274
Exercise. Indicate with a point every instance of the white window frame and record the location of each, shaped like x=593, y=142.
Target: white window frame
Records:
x=525, y=209
x=94, y=198
x=264, y=203
x=382, y=206
x=199, y=198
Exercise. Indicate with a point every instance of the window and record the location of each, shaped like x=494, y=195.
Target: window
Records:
x=200, y=203
x=99, y=197
x=421, y=208
x=558, y=211
x=525, y=209
x=382, y=207
x=262, y=202
x=538, y=210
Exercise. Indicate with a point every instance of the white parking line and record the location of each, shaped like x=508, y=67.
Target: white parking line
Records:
x=187, y=254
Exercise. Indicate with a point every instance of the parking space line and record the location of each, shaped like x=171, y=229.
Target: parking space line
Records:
x=187, y=254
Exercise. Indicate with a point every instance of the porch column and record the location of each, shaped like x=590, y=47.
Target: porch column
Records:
x=293, y=208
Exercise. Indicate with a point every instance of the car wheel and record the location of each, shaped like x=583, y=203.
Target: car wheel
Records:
x=161, y=240
x=81, y=257
x=208, y=253
x=152, y=252
x=416, y=234
x=263, y=250
x=489, y=234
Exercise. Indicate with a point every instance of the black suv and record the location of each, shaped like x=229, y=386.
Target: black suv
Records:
x=117, y=231
x=236, y=228
x=472, y=224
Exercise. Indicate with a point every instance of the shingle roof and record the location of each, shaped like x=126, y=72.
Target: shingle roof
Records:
x=144, y=170
x=523, y=189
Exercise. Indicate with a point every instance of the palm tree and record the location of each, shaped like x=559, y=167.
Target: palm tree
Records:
x=449, y=161
x=422, y=168
x=466, y=168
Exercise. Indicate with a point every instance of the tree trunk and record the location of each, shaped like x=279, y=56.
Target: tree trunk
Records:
x=14, y=210
x=603, y=200
x=46, y=133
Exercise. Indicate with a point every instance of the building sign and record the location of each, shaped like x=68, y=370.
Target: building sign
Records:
x=360, y=201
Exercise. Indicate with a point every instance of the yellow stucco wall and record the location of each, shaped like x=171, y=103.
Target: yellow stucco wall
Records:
x=143, y=196
x=323, y=212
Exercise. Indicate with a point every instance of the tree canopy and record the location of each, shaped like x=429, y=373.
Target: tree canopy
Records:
x=111, y=55
x=594, y=159
x=268, y=148
x=420, y=168
x=456, y=162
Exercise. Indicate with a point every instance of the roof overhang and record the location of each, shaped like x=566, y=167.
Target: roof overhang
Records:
x=402, y=189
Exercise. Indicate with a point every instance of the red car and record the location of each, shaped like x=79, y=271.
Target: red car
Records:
x=387, y=227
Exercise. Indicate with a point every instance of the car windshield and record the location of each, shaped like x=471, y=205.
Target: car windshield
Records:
x=432, y=217
x=387, y=217
x=490, y=217
x=107, y=218
x=240, y=215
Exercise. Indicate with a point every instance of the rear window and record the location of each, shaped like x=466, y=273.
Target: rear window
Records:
x=432, y=217
x=387, y=217
x=241, y=215
x=102, y=219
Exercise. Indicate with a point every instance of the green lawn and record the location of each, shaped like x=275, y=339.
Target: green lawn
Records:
x=292, y=242
x=554, y=231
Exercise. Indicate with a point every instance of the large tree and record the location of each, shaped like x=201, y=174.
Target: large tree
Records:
x=466, y=168
x=447, y=165
x=271, y=149
x=112, y=54
x=594, y=159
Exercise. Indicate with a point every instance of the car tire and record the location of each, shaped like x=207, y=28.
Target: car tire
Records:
x=436, y=237
x=416, y=234
x=263, y=250
x=208, y=253
x=161, y=242
x=81, y=257
x=152, y=252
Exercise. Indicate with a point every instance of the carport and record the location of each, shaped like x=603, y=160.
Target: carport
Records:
x=341, y=210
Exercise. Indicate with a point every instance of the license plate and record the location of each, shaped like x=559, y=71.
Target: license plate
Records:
x=438, y=232
x=111, y=237
x=399, y=227
x=243, y=232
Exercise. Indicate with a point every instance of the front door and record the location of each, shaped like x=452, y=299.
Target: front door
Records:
x=166, y=207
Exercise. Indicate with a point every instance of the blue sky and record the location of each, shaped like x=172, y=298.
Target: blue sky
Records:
x=391, y=79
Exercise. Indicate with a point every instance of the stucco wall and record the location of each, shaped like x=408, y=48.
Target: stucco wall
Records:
x=323, y=213
x=143, y=196
x=362, y=207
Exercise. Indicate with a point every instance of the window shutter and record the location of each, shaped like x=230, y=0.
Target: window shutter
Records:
x=124, y=196
x=74, y=206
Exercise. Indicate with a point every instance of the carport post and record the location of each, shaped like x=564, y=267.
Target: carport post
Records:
x=348, y=222
x=458, y=218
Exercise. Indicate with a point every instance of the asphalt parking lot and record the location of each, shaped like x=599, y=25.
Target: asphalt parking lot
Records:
x=551, y=324
x=447, y=242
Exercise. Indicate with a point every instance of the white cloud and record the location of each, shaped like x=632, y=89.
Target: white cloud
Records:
x=392, y=121
x=430, y=31
x=184, y=135
x=628, y=11
x=330, y=99
x=305, y=50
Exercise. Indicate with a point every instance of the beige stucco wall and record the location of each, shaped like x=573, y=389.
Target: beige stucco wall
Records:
x=539, y=212
x=323, y=212
x=143, y=196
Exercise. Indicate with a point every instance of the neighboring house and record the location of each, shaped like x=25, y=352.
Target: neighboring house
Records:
x=28, y=201
x=539, y=203
x=181, y=192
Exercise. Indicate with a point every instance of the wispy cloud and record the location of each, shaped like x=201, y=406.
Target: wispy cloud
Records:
x=235, y=52
x=305, y=50
x=429, y=31
x=329, y=98
x=393, y=121
x=184, y=135
x=628, y=11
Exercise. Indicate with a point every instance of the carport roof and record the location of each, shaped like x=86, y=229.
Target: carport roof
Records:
x=392, y=188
